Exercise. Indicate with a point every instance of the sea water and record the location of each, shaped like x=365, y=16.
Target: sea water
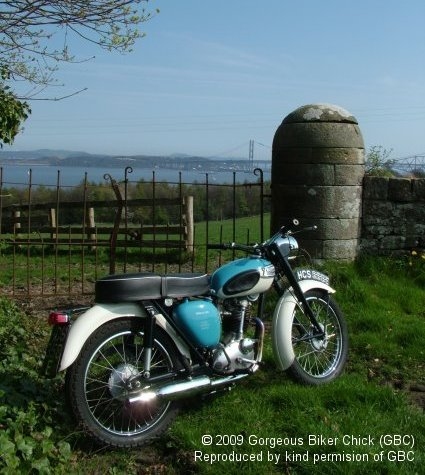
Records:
x=47, y=175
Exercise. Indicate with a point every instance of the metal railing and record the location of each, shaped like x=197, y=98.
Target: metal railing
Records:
x=58, y=240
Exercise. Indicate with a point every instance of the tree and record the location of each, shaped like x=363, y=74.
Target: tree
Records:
x=378, y=162
x=30, y=31
x=12, y=112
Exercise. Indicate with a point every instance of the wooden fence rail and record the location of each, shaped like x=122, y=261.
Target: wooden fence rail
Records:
x=19, y=226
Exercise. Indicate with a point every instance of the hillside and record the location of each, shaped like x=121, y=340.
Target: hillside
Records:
x=64, y=158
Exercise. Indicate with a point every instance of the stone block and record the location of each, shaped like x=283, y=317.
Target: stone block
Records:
x=348, y=174
x=338, y=156
x=418, y=189
x=373, y=210
x=291, y=155
x=368, y=246
x=303, y=174
x=375, y=188
x=341, y=202
x=343, y=249
x=400, y=189
x=337, y=229
x=377, y=231
x=391, y=243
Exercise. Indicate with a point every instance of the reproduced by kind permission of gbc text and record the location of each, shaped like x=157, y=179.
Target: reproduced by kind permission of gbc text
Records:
x=313, y=448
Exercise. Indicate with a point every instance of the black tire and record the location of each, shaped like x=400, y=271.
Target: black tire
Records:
x=96, y=385
x=319, y=360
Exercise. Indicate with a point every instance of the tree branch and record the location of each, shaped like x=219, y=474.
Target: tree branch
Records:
x=28, y=54
x=54, y=99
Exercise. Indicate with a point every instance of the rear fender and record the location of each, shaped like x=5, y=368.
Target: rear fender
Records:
x=98, y=315
x=282, y=322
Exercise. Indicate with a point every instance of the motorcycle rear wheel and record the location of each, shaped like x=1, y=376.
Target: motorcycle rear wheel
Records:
x=98, y=391
x=319, y=360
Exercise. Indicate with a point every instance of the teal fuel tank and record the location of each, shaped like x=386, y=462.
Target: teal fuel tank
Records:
x=200, y=321
x=242, y=277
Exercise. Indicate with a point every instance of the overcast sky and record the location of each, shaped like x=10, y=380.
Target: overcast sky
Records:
x=212, y=75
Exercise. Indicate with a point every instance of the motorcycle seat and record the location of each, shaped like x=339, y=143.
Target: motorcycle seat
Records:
x=146, y=285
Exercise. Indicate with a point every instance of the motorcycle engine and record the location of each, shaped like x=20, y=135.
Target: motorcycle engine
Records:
x=238, y=354
x=234, y=351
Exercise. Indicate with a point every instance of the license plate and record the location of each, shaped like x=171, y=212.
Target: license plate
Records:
x=311, y=274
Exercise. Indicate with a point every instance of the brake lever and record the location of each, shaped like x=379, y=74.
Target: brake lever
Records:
x=308, y=228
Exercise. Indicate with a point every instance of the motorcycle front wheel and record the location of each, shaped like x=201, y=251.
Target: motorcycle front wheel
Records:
x=99, y=385
x=319, y=358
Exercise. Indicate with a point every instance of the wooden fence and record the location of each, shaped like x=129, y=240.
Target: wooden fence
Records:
x=38, y=224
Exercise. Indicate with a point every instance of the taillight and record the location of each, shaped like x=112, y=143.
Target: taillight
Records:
x=58, y=318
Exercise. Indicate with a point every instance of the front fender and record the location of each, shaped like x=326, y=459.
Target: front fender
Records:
x=100, y=314
x=282, y=322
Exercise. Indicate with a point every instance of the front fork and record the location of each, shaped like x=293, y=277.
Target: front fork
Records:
x=299, y=294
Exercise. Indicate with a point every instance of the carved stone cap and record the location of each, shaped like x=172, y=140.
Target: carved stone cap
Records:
x=319, y=113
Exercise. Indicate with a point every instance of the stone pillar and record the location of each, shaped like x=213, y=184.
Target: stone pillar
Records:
x=317, y=172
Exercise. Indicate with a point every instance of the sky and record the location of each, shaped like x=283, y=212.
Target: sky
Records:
x=212, y=75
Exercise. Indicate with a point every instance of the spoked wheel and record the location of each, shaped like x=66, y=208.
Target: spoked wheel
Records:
x=106, y=375
x=319, y=358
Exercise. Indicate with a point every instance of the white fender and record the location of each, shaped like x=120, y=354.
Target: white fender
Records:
x=100, y=314
x=282, y=322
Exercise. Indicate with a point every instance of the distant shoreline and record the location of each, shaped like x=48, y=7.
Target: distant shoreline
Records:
x=42, y=174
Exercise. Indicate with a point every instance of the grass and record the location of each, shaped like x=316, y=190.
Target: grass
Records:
x=384, y=304
x=277, y=425
x=276, y=418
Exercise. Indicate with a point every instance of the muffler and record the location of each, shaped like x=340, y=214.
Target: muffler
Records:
x=183, y=389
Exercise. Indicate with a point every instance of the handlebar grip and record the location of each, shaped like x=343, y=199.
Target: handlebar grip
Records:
x=217, y=246
x=246, y=248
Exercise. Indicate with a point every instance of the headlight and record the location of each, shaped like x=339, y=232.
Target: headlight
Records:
x=288, y=246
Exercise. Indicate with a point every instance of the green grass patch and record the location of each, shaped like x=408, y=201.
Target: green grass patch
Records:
x=278, y=426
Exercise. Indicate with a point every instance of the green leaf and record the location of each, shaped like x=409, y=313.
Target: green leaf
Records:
x=13, y=113
x=26, y=447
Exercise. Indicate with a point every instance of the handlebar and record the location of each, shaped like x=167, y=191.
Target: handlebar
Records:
x=258, y=248
x=308, y=228
x=235, y=246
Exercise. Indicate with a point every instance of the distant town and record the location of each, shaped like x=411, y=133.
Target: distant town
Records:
x=62, y=158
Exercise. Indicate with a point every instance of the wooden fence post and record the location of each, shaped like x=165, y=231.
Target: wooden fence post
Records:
x=16, y=223
x=188, y=213
x=53, y=223
x=91, y=235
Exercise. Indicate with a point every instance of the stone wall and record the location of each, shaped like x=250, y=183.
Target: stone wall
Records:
x=393, y=214
x=318, y=176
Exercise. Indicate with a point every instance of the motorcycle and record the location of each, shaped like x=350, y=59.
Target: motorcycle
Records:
x=151, y=341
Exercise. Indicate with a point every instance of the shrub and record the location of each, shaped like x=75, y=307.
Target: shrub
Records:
x=29, y=441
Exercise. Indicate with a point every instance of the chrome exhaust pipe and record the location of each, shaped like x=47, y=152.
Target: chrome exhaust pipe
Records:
x=184, y=389
x=191, y=387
